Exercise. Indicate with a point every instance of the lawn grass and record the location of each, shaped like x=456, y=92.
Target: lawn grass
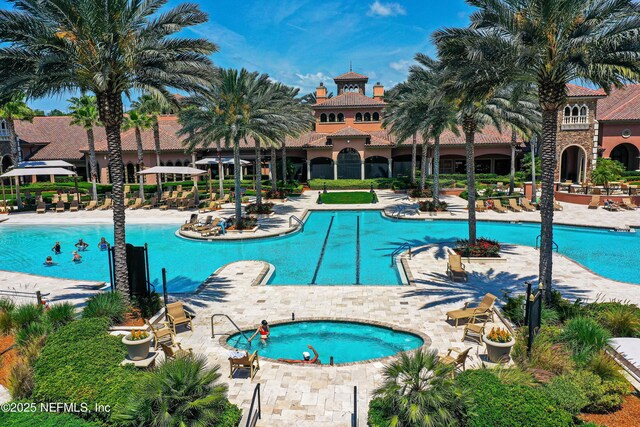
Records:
x=347, y=197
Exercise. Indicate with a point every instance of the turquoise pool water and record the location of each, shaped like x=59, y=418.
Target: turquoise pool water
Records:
x=299, y=257
x=345, y=341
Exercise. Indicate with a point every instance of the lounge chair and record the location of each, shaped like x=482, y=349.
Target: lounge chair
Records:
x=175, y=351
x=484, y=308
x=455, y=267
x=127, y=189
x=127, y=202
x=92, y=205
x=497, y=206
x=59, y=206
x=188, y=225
x=74, y=206
x=152, y=203
x=224, y=200
x=595, y=202
x=526, y=205
x=212, y=230
x=628, y=204
x=137, y=204
x=209, y=208
x=201, y=226
x=106, y=205
x=64, y=197
x=41, y=208
x=178, y=316
x=480, y=207
x=474, y=330
x=179, y=188
x=458, y=361
x=557, y=206
x=187, y=204
x=162, y=335
x=54, y=199
x=250, y=362
x=513, y=205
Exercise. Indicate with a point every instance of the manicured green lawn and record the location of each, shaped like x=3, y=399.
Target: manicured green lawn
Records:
x=347, y=197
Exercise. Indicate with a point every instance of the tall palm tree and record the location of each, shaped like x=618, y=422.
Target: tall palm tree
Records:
x=551, y=43
x=418, y=390
x=14, y=108
x=108, y=48
x=272, y=167
x=84, y=112
x=180, y=392
x=138, y=121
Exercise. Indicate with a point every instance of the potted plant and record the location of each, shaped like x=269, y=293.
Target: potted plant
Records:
x=138, y=343
x=499, y=342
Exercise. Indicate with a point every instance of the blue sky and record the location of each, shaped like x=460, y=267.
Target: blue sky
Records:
x=304, y=42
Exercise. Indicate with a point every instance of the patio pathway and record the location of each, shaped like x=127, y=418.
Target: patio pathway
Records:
x=4, y=395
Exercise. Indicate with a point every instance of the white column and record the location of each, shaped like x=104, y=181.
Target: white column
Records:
x=241, y=173
x=335, y=170
x=390, y=160
x=308, y=169
x=362, y=169
x=429, y=166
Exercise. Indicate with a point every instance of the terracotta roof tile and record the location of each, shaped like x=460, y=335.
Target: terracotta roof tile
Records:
x=349, y=131
x=350, y=76
x=575, y=91
x=621, y=104
x=350, y=99
x=169, y=139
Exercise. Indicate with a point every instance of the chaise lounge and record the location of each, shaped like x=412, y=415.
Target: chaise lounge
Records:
x=484, y=308
x=595, y=202
x=455, y=267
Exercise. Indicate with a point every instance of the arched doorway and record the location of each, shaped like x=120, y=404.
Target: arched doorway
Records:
x=627, y=154
x=299, y=167
x=376, y=167
x=321, y=168
x=573, y=164
x=348, y=164
x=6, y=163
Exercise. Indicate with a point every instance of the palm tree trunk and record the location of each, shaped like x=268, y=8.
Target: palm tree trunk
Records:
x=436, y=169
x=236, y=177
x=274, y=175
x=140, y=161
x=469, y=126
x=284, y=163
x=156, y=140
x=15, y=156
x=414, y=155
x=258, y=174
x=423, y=164
x=513, y=162
x=93, y=165
x=548, y=160
x=110, y=107
x=220, y=175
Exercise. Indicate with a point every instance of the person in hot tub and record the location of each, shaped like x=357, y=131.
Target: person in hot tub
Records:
x=306, y=358
x=263, y=330
x=103, y=245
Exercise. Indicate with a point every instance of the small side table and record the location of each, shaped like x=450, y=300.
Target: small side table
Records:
x=147, y=363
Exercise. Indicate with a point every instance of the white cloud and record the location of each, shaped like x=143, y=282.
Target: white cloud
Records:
x=386, y=9
x=400, y=65
x=312, y=78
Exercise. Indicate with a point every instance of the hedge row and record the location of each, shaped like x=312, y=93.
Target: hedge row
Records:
x=42, y=419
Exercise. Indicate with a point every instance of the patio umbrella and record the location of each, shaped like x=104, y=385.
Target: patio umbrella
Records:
x=221, y=161
x=30, y=171
x=178, y=170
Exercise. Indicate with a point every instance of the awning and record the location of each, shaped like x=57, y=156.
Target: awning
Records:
x=45, y=164
x=37, y=171
x=215, y=160
x=178, y=170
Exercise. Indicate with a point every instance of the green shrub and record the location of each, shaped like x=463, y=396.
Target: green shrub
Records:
x=431, y=206
x=148, y=305
x=7, y=305
x=584, y=336
x=6, y=322
x=20, y=382
x=358, y=184
x=26, y=314
x=482, y=248
x=32, y=331
x=602, y=396
x=495, y=404
x=81, y=363
x=622, y=320
x=514, y=309
x=42, y=419
x=59, y=315
x=106, y=304
x=377, y=411
x=605, y=367
x=567, y=394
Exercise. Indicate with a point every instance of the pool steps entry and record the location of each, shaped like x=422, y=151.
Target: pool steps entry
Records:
x=232, y=322
x=324, y=247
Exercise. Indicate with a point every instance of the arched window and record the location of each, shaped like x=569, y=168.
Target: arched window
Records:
x=367, y=117
x=323, y=117
x=178, y=163
x=574, y=111
x=567, y=111
x=376, y=117
x=576, y=114
x=332, y=117
x=358, y=117
x=340, y=117
x=583, y=111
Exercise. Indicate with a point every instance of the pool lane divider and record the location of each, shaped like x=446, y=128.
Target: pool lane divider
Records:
x=324, y=246
x=357, y=250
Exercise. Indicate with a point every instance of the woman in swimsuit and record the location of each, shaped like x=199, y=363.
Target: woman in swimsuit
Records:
x=263, y=330
x=103, y=245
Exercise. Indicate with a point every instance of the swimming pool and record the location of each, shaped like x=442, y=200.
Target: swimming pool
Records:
x=345, y=341
x=357, y=250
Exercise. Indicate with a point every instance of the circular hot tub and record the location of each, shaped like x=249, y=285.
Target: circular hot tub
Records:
x=345, y=341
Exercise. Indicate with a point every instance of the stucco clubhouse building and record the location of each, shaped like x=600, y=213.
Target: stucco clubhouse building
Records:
x=348, y=140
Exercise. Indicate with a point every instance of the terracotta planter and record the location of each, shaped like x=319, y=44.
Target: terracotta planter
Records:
x=498, y=352
x=138, y=349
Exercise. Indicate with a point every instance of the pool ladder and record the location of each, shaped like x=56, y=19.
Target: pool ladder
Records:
x=232, y=322
x=399, y=250
x=555, y=245
x=298, y=220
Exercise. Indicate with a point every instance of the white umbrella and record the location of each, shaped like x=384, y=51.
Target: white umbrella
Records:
x=178, y=170
x=30, y=171
x=45, y=164
x=225, y=161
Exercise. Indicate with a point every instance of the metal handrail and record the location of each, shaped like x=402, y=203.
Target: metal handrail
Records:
x=232, y=322
x=354, y=417
x=298, y=220
x=555, y=245
x=251, y=421
x=398, y=250
x=24, y=294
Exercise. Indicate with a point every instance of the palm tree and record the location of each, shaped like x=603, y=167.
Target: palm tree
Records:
x=417, y=390
x=272, y=167
x=310, y=98
x=84, y=112
x=180, y=392
x=108, y=48
x=14, y=108
x=552, y=43
x=138, y=121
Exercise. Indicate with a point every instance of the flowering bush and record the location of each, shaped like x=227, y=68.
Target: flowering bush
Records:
x=499, y=335
x=482, y=248
x=264, y=208
x=277, y=194
x=416, y=193
x=245, y=223
x=138, y=335
x=430, y=206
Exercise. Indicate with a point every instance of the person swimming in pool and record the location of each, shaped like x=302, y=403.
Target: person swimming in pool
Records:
x=263, y=330
x=76, y=257
x=103, y=245
x=81, y=245
x=306, y=358
x=56, y=249
x=49, y=261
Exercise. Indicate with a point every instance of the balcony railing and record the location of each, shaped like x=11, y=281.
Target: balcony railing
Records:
x=575, y=122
